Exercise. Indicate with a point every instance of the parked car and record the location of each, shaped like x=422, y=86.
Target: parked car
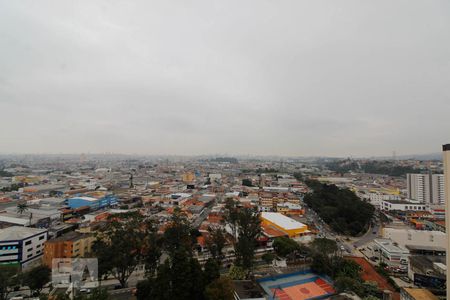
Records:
x=405, y=279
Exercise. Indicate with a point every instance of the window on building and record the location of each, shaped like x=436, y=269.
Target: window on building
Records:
x=29, y=255
x=30, y=249
x=431, y=238
x=42, y=237
x=28, y=243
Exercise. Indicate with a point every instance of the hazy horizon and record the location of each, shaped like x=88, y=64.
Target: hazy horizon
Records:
x=261, y=78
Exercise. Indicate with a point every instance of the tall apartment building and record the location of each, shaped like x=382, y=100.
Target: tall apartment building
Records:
x=446, y=156
x=427, y=188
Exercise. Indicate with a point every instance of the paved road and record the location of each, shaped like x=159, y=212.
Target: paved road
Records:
x=202, y=217
x=347, y=247
x=369, y=236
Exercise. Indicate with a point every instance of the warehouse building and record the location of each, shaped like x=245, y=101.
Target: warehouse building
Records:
x=291, y=227
x=94, y=202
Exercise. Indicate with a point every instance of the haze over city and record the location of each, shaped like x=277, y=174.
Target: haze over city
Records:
x=298, y=78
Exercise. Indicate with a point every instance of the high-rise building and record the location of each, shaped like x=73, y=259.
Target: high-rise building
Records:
x=446, y=154
x=426, y=188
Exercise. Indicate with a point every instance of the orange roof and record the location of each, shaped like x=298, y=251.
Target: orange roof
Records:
x=442, y=223
x=73, y=220
x=272, y=232
x=102, y=216
x=215, y=218
x=203, y=227
x=201, y=241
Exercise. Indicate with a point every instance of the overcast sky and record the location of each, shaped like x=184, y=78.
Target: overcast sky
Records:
x=333, y=78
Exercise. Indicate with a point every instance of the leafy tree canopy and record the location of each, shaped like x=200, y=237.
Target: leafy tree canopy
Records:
x=340, y=208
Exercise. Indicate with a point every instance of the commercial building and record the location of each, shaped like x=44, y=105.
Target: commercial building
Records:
x=94, y=201
x=375, y=198
x=288, y=208
x=402, y=205
x=70, y=245
x=291, y=227
x=391, y=252
x=21, y=245
x=426, y=188
x=428, y=271
x=418, y=238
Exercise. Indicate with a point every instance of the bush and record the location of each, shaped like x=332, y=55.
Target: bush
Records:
x=237, y=273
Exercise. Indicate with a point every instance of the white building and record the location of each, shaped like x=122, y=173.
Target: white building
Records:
x=427, y=188
x=22, y=245
x=376, y=198
x=418, y=238
x=390, y=251
x=402, y=205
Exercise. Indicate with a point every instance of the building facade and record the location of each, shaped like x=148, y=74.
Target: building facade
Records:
x=402, y=206
x=426, y=188
x=70, y=245
x=22, y=245
x=92, y=202
x=289, y=226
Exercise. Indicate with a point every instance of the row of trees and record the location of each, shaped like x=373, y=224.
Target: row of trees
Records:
x=340, y=208
x=326, y=260
x=172, y=269
x=11, y=278
x=384, y=167
x=344, y=272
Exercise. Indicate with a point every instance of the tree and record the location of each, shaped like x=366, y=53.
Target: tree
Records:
x=245, y=224
x=231, y=216
x=322, y=264
x=285, y=246
x=216, y=242
x=180, y=276
x=298, y=176
x=8, y=280
x=237, y=273
x=247, y=182
x=120, y=246
x=177, y=236
x=342, y=209
x=220, y=289
x=37, y=278
x=348, y=284
x=268, y=258
x=152, y=249
x=22, y=207
x=212, y=270
x=324, y=245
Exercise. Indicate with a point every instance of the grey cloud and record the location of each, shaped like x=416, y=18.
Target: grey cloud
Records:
x=244, y=77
